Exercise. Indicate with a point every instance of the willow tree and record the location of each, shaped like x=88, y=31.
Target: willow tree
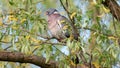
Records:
x=24, y=37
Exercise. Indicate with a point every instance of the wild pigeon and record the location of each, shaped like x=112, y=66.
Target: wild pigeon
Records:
x=58, y=25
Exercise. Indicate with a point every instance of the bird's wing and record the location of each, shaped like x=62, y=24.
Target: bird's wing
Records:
x=63, y=23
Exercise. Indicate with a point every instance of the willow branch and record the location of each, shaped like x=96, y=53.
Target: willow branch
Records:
x=93, y=30
x=24, y=30
x=74, y=29
x=114, y=8
x=33, y=59
x=22, y=58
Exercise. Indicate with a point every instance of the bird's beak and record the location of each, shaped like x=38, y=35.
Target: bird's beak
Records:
x=46, y=13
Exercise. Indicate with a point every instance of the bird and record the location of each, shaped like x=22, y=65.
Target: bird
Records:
x=58, y=24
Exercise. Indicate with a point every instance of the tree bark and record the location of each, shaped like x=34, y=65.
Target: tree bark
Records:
x=22, y=58
x=33, y=59
x=114, y=8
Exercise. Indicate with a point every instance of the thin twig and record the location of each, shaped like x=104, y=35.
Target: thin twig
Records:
x=67, y=4
x=82, y=57
x=93, y=30
x=74, y=29
x=8, y=47
x=90, y=63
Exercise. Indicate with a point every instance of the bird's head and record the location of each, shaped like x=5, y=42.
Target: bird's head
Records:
x=51, y=11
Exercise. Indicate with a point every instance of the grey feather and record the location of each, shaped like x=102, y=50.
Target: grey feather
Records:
x=56, y=23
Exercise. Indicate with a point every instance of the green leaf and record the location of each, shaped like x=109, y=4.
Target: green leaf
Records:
x=11, y=2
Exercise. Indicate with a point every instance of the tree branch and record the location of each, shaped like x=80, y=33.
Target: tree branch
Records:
x=33, y=59
x=22, y=58
x=114, y=8
x=74, y=29
x=100, y=33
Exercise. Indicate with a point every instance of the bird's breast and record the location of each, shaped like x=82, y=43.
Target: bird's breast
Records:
x=54, y=28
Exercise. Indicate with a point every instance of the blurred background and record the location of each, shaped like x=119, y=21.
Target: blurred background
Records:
x=23, y=28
